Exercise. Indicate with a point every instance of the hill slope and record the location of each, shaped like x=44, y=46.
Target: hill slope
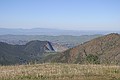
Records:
x=19, y=54
x=102, y=50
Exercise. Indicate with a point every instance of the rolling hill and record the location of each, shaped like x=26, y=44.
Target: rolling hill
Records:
x=21, y=54
x=102, y=50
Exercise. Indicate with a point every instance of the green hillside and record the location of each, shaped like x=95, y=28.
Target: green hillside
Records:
x=23, y=54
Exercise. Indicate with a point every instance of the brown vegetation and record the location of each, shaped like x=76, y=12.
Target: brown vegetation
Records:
x=103, y=50
x=60, y=72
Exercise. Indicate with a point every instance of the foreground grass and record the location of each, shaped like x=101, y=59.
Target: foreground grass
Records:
x=59, y=72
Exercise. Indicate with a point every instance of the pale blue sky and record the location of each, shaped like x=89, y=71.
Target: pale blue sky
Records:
x=61, y=14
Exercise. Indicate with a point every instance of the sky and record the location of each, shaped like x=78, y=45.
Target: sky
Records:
x=60, y=14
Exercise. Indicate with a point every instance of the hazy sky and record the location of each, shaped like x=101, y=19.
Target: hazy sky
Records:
x=61, y=14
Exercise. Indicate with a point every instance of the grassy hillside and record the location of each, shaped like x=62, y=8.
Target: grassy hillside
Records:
x=102, y=50
x=59, y=72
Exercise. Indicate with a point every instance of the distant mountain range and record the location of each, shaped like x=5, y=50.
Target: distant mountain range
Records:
x=21, y=54
x=67, y=41
x=102, y=50
x=47, y=31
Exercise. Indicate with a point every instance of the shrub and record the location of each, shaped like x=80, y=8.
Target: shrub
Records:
x=93, y=59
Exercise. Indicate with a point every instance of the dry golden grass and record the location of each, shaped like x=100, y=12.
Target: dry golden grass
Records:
x=51, y=71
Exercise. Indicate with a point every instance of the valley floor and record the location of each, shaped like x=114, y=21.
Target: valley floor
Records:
x=54, y=71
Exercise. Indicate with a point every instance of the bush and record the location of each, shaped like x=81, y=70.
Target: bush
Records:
x=93, y=59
